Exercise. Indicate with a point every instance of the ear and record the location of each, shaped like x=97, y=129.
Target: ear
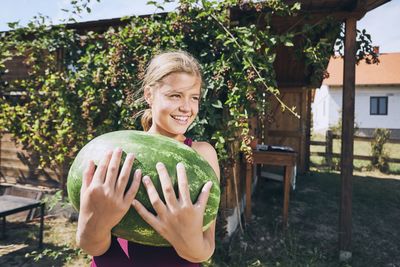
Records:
x=148, y=96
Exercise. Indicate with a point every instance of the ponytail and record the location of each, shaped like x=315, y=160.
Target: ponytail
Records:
x=146, y=120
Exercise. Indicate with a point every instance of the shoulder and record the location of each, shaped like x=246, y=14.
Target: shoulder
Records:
x=207, y=151
x=203, y=148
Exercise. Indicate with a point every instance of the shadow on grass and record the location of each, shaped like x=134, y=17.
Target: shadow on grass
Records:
x=20, y=248
x=311, y=239
x=312, y=236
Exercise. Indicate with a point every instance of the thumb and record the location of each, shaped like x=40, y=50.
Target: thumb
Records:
x=205, y=193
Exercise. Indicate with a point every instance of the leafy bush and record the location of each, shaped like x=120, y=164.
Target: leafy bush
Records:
x=381, y=136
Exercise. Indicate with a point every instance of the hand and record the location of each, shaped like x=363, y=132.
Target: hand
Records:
x=179, y=221
x=103, y=202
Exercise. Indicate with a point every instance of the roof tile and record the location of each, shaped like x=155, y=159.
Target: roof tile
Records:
x=384, y=73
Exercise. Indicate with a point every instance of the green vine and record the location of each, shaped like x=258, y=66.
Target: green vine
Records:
x=82, y=85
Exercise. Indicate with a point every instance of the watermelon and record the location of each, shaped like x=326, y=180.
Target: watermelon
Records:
x=148, y=150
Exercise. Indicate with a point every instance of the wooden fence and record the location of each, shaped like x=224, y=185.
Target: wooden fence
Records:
x=329, y=154
x=17, y=166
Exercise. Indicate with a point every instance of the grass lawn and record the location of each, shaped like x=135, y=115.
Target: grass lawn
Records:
x=20, y=247
x=362, y=148
x=311, y=239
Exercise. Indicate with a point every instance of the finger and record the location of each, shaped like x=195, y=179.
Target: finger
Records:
x=113, y=168
x=154, y=198
x=131, y=193
x=87, y=175
x=123, y=177
x=203, y=198
x=149, y=217
x=184, y=194
x=101, y=170
x=166, y=185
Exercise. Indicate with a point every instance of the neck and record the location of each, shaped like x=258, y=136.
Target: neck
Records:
x=155, y=130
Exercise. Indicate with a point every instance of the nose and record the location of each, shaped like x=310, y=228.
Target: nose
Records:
x=185, y=105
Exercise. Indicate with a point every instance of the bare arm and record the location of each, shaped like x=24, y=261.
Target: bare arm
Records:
x=208, y=152
x=179, y=220
x=103, y=202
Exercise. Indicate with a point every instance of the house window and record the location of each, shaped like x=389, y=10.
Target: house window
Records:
x=378, y=105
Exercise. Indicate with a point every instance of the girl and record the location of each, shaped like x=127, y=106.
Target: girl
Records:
x=171, y=88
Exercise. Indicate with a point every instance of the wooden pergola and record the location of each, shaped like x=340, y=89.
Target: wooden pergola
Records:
x=348, y=11
x=291, y=75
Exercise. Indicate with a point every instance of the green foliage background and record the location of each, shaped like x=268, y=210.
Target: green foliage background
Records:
x=81, y=85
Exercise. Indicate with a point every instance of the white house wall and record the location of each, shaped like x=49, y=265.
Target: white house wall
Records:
x=331, y=97
x=335, y=103
x=365, y=120
x=320, y=109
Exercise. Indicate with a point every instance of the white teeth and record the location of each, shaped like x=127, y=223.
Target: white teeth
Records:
x=181, y=118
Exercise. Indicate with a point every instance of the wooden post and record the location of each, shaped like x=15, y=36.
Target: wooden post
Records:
x=329, y=148
x=1, y=139
x=346, y=170
x=308, y=131
x=41, y=229
x=249, y=178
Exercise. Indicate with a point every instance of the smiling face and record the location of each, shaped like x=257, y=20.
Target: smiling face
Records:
x=174, y=104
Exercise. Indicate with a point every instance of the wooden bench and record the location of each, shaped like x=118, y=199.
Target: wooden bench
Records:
x=11, y=202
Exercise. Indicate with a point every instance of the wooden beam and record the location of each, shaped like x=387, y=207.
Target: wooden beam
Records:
x=308, y=132
x=349, y=74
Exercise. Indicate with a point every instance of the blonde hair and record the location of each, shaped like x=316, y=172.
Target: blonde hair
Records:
x=163, y=65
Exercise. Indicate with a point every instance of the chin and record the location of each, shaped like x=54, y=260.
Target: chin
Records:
x=179, y=131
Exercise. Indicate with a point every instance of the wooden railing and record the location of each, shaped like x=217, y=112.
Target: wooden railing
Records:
x=329, y=154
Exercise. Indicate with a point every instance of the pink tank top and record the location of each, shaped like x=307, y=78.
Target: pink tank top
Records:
x=123, y=253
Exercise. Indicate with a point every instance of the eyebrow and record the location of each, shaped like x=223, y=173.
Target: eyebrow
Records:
x=177, y=91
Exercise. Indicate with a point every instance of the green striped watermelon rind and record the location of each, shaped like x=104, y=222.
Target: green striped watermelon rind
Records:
x=148, y=149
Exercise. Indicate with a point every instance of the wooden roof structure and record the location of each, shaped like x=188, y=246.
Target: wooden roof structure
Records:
x=337, y=6
x=289, y=71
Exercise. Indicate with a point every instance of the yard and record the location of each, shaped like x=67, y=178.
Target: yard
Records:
x=60, y=99
x=362, y=148
x=312, y=238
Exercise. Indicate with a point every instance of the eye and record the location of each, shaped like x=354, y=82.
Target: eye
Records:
x=175, y=96
x=196, y=98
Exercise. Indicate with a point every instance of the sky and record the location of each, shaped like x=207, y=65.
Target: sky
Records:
x=383, y=23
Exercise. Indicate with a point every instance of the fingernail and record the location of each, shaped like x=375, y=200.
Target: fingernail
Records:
x=118, y=150
x=137, y=172
x=208, y=185
x=159, y=165
x=129, y=155
x=180, y=165
x=146, y=180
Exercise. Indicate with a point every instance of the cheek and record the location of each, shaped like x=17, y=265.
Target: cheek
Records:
x=195, y=108
x=160, y=103
x=164, y=108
